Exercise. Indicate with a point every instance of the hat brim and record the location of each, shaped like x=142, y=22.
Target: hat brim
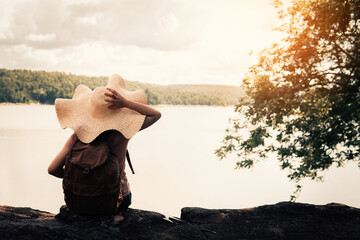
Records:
x=73, y=113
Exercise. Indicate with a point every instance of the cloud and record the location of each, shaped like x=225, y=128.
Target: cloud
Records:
x=158, y=24
x=158, y=41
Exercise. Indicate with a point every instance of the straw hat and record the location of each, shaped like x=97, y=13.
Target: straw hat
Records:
x=87, y=113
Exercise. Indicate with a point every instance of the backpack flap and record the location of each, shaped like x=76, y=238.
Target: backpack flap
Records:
x=89, y=156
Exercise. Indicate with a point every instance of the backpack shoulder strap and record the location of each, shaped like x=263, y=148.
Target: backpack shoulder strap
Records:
x=128, y=159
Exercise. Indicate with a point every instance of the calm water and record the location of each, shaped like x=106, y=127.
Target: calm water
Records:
x=173, y=160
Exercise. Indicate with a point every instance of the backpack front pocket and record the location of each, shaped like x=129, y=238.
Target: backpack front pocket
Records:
x=87, y=190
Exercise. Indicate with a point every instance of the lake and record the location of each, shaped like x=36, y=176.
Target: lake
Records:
x=174, y=162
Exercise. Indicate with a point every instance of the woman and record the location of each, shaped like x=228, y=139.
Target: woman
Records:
x=112, y=111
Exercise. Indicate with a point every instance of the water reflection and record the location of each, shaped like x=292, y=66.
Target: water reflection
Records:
x=174, y=163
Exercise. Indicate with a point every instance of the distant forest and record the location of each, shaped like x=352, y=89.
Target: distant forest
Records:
x=26, y=86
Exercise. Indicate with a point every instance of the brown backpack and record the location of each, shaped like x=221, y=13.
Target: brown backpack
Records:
x=92, y=178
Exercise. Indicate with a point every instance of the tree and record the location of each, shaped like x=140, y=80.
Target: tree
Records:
x=151, y=97
x=303, y=93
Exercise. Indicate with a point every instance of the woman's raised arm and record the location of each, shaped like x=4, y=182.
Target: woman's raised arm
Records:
x=118, y=101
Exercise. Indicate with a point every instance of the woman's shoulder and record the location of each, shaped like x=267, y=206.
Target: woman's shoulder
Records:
x=71, y=141
x=74, y=137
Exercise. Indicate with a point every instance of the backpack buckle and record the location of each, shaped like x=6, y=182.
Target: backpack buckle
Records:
x=86, y=169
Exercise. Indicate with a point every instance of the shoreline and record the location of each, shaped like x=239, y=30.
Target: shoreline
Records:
x=20, y=104
x=156, y=106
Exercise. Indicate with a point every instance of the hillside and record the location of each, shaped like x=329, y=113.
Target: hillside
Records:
x=26, y=86
x=232, y=93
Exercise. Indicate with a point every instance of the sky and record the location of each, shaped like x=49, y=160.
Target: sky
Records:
x=151, y=41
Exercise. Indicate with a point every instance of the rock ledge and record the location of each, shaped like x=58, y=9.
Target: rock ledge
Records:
x=284, y=220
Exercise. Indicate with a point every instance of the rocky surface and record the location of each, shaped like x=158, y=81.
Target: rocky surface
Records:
x=283, y=220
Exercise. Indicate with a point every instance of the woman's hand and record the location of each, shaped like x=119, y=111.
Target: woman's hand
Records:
x=116, y=100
